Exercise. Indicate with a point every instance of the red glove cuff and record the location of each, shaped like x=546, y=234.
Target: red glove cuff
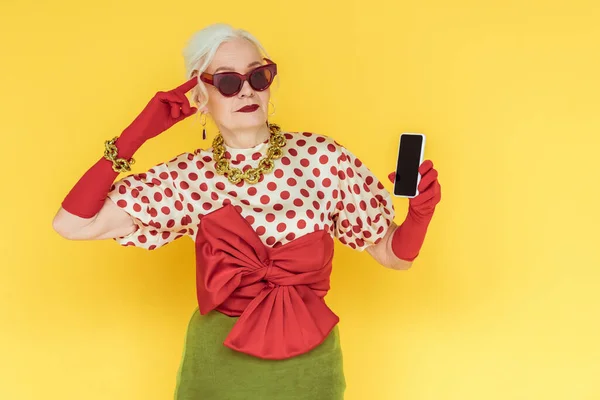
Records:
x=87, y=197
x=409, y=237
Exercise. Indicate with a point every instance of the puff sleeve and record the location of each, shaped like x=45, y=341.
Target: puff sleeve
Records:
x=364, y=210
x=157, y=204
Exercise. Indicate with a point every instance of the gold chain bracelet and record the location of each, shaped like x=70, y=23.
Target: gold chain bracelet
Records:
x=111, y=153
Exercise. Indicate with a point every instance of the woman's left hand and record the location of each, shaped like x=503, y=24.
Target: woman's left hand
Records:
x=430, y=191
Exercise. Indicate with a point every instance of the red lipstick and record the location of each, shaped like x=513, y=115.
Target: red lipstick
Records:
x=250, y=108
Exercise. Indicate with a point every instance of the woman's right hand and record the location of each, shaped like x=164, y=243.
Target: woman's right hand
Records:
x=164, y=110
x=86, y=212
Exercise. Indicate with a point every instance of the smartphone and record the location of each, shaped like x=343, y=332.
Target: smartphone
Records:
x=411, y=148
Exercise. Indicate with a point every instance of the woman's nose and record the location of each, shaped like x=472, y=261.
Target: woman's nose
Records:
x=246, y=90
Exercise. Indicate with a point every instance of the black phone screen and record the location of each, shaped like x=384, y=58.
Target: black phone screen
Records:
x=407, y=169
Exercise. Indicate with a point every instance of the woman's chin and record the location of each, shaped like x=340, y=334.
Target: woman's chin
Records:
x=249, y=120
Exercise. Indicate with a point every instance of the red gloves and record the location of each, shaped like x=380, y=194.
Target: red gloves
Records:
x=164, y=110
x=409, y=237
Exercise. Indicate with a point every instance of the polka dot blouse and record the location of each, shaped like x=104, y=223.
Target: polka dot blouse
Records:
x=317, y=185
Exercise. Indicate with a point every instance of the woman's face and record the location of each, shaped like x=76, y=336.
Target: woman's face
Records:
x=238, y=55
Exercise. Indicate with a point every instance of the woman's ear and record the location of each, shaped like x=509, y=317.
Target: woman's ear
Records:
x=204, y=109
x=197, y=96
x=197, y=99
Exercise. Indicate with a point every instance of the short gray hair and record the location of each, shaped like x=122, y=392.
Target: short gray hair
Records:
x=203, y=45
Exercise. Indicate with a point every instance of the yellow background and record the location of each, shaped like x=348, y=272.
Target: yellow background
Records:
x=503, y=303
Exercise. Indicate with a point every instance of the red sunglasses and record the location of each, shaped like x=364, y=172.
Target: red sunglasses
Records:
x=230, y=83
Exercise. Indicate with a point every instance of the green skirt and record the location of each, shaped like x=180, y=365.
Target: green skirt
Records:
x=211, y=371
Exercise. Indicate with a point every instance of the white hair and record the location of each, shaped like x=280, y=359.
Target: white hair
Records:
x=203, y=45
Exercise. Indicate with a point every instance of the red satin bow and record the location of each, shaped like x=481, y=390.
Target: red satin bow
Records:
x=278, y=293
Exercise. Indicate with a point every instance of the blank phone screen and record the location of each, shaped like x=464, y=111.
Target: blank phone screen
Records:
x=407, y=169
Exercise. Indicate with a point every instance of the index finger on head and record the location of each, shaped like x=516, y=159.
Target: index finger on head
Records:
x=189, y=85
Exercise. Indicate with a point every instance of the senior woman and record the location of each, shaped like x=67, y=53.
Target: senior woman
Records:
x=262, y=206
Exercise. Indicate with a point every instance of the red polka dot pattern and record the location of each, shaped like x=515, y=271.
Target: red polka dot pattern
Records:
x=317, y=185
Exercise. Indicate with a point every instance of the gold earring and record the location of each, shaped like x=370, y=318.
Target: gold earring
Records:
x=273, y=108
x=203, y=125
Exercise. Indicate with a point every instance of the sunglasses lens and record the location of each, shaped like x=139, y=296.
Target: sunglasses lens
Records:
x=261, y=79
x=229, y=84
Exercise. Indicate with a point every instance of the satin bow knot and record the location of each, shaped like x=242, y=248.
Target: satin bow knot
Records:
x=277, y=293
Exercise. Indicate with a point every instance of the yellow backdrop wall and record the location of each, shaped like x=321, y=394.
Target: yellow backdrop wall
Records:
x=503, y=302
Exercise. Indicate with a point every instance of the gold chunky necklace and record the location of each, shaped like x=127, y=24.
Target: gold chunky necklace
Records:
x=252, y=175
